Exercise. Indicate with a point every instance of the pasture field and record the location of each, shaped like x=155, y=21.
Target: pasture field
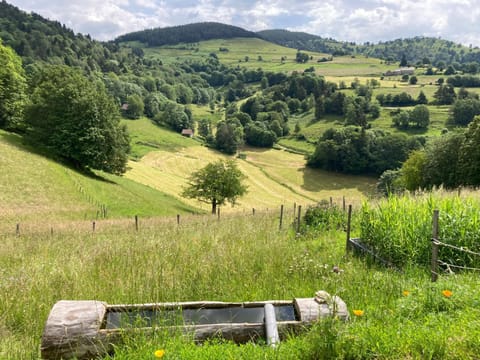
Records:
x=393, y=227
x=145, y=136
x=34, y=187
x=274, y=177
x=313, y=130
x=268, y=56
x=400, y=314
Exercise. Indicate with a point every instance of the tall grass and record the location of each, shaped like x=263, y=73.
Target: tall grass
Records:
x=399, y=229
x=238, y=258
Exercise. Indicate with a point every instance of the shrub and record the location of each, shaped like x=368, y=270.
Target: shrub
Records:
x=324, y=216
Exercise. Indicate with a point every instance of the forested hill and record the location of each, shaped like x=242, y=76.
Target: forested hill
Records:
x=417, y=49
x=35, y=38
x=305, y=41
x=190, y=33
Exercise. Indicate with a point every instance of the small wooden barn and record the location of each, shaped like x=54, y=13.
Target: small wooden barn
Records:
x=187, y=132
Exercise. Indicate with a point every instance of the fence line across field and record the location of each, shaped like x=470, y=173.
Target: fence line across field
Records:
x=287, y=216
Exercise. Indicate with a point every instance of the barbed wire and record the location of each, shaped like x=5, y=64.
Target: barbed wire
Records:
x=456, y=266
x=437, y=242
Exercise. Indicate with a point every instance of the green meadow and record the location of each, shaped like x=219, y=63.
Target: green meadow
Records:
x=256, y=53
x=394, y=314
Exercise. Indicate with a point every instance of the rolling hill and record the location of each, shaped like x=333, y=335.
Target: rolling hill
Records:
x=274, y=177
x=417, y=49
x=190, y=33
x=36, y=189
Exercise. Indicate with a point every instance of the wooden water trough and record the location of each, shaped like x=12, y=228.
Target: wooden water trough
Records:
x=89, y=329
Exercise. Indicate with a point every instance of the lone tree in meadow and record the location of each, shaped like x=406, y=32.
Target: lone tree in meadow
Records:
x=216, y=183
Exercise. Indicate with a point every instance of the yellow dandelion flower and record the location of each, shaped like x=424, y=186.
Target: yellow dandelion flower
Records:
x=358, y=312
x=159, y=353
x=447, y=293
x=405, y=293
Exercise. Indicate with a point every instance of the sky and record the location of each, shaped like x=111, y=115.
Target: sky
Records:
x=346, y=20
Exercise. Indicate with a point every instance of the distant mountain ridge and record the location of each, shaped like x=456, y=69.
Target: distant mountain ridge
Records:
x=425, y=50
x=305, y=41
x=36, y=38
x=416, y=49
x=189, y=33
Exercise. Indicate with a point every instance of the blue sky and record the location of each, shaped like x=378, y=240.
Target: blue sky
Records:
x=349, y=20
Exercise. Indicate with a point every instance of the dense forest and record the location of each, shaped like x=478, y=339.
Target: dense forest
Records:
x=190, y=33
x=305, y=41
x=35, y=38
x=417, y=50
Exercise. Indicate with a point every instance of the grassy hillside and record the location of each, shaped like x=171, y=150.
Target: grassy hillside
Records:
x=35, y=188
x=405, y=316
x=145, y=137
x=271, y=57
x=275, y=177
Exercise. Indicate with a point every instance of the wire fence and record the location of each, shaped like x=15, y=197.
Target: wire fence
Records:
x=285, y=216
x=289, y=215
x=357, y=246
x=447, y=267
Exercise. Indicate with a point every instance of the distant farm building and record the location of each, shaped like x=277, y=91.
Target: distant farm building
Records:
x=124, y=107
x=401, y=71
x=187, y=132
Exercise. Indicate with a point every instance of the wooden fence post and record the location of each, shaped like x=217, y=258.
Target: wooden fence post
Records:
x=349, y=224
x=93, y=226
x=299, y=217
x=17, y=230
x=434, y=269
x=331, y=201
x=136, y=222
x=344, y=205
x=178, y=219
x=218, y=213
x=253, y=211
x=281, y=217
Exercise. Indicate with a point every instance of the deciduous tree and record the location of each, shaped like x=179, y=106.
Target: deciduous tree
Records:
x=12, y=88
x=216, y=184
x=77, y=120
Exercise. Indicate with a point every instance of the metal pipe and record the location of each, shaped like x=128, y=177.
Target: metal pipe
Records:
x=271, y=329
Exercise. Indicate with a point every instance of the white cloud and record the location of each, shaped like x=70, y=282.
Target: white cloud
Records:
x=350, y=20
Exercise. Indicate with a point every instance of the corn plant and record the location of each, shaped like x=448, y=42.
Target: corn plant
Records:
x=399, y=229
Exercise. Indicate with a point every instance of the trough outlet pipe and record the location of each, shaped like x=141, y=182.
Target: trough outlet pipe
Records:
x=271, y=330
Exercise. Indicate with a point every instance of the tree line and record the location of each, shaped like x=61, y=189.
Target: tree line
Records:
x=450, y=161
x=191, y=33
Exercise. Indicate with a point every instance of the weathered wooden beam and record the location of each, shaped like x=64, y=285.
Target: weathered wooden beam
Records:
x=72, y=331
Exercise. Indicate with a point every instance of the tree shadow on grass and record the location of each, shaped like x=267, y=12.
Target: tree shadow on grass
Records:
x=20, y=143
x=317, y=180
